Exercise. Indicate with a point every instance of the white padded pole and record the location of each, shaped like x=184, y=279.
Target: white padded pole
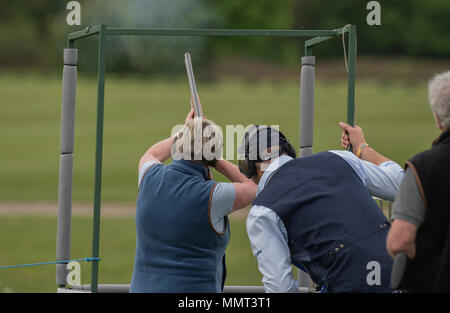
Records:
x=68, y=100
x=307, y=77
x=64, y=216
x=63, y=239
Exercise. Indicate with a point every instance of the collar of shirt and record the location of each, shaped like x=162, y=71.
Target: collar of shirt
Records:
x=273, y=166
x=190, y=167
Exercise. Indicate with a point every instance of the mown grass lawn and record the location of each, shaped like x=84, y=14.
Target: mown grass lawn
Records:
x=32, y=239
x=395, y=118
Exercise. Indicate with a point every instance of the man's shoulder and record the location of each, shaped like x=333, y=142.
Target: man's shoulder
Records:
x=437, y=154
x=344, y=153
x=259, y=212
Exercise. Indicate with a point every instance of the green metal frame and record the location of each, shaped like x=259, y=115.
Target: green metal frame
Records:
x=103, y=32
x=351, y=31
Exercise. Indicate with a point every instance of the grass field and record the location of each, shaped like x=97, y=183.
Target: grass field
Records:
x=32, y=239
x=395, y=117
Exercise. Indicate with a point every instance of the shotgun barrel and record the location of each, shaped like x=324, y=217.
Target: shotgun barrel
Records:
x=194, y=95
x=192, y=85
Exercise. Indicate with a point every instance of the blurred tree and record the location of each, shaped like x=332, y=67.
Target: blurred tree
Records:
x=149, y=55
x=414, y=28
x=33, y=32
x=260, y=14
x=26, y=32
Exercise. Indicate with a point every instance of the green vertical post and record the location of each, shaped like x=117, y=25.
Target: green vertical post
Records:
x=308, y=50
x=351, y=75
x=98, y=156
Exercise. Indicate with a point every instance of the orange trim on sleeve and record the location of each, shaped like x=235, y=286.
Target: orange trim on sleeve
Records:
x=209, y=213
x=419, y=183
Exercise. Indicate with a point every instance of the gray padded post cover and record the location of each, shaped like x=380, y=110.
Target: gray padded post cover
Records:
x=63, y=239
x=307, y=77
x=68, y=100
x=64, y=216
x=71, y=57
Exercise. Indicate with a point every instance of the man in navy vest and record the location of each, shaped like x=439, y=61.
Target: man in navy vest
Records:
x=182, y=228
x=318, y=214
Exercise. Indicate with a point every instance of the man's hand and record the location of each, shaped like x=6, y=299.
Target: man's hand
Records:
x=351, y=135
x=355, y=136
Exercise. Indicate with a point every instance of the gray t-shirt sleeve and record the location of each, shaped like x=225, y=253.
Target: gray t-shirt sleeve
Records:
x=408, y=205
x=144, y=169
x=221, y=205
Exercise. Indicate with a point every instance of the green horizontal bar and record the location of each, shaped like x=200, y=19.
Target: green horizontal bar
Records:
x=316, y=40
x=218, y=32
x=320, y=35
x=345, y=29
x=88, y=31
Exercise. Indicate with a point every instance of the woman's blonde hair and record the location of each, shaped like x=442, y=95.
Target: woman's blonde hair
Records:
x=200, y=140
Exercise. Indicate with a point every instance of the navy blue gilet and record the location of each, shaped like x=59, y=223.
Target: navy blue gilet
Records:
x=334, y=226
x=177, y=250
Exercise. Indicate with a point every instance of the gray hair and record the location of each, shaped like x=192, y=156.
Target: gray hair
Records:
x=439, y=97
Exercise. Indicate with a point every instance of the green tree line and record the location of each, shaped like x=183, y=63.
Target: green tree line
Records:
x=33, y=32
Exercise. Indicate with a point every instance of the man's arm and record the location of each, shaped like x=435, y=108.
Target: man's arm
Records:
x=381, y=181
x=401, y=238
x=381, y=176
x=409, y=214
x=355, y=136
x=245, y=188
x=269, y=246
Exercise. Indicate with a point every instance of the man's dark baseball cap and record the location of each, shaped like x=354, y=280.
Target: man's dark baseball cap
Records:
x=262, y=143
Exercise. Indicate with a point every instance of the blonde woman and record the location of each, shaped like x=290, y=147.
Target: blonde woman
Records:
x=182, y=228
